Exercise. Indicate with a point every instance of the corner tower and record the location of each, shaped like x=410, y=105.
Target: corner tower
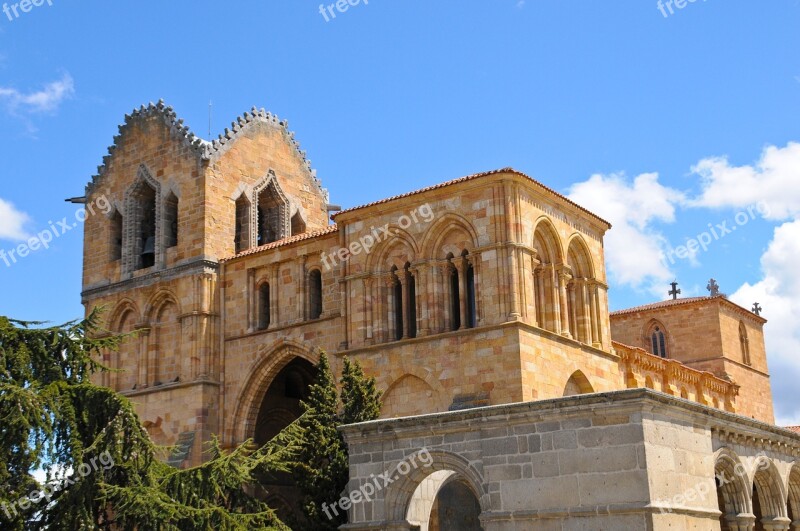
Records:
x=179, y=205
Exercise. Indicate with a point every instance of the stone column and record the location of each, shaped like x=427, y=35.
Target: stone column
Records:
x=541, y=297
x=534, y=292
x=587, y=312
x=273, y=296
x=558, y=323
x=564, y=278
x=595, y=325
x=387, y=302
x=444, y=296
x=476, y=269
x=777, y=524
x=422, y=274
x=513, y=279
x=369, y=303
x=302, y=297
x=572, y=306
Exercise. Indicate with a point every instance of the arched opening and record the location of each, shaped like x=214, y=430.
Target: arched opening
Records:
x=165, y=352
x=127, y=355
x=397, y=304
x=656, y=340
x=115, y=240
x=794, y=496
x=411, y=307
x=171, y=221
x=443, y=501
x=315, y=294
x=144, y=224
x=578, y=384
x=580, y=292
x=769, y=502
x=455, y=295
x=744, y=343
x=732, y=494
x=648, y=383
x=469, y=280
x=264, y=307
x=280, y=407
x=242, y=229
x=545, y=280
x=272, y=214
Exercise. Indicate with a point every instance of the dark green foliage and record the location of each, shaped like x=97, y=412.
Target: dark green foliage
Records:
x=360, y=397
x=53, y=417
x=322, y=469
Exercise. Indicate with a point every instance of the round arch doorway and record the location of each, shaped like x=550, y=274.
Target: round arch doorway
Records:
x=279, y=407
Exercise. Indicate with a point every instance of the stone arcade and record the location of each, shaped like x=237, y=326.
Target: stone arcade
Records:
x=482, y=324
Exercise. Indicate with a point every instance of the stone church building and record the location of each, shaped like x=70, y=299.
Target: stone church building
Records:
x=480, y=305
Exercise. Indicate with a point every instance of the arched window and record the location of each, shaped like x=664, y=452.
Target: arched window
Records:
x=263, y=306
x=472, y=314
x=658, y=342
x=315, y=294
x=455, y=304
x=171, y=221
x=115, y=243
x=745, y=344
x=144, y=250
x=411, y=310
x=397, y=305
x=242, y=231
x=273, y=217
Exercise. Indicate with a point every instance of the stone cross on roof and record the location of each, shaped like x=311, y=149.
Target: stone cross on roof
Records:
x=713, y=287
x=675, y=291
x=757, y=309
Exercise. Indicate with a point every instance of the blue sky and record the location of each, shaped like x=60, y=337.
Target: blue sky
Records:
x=663, y=125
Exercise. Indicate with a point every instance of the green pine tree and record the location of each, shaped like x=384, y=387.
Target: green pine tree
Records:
x=322, y=469
x=360, y=397
x=53, y=418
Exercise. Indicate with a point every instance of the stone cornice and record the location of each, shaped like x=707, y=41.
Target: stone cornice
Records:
x=193, y=267
x=614, y=403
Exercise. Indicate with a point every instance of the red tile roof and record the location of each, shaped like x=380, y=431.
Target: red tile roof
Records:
x=286, y=241
x=470, y=178
x=662, y=304
x=682, y=302
x=795, y=429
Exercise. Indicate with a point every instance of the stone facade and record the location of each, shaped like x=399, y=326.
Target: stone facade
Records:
x=486, y=290
x=710, y=334
x=633, y=459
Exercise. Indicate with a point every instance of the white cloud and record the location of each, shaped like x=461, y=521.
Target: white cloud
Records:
x=773, y=181
x=778, y=292
x=634, y=248
x=47, y=99
x=12, y=222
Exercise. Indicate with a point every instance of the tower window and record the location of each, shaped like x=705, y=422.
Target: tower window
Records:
x=315, y=294
x=272, y=214
x=263, y=306
x=144, y=250
x=744, y=342
x=659, y=342
x=411, y=311
x=397, y=299
x=472, y=314
x=116, y=236
x=455, y=304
